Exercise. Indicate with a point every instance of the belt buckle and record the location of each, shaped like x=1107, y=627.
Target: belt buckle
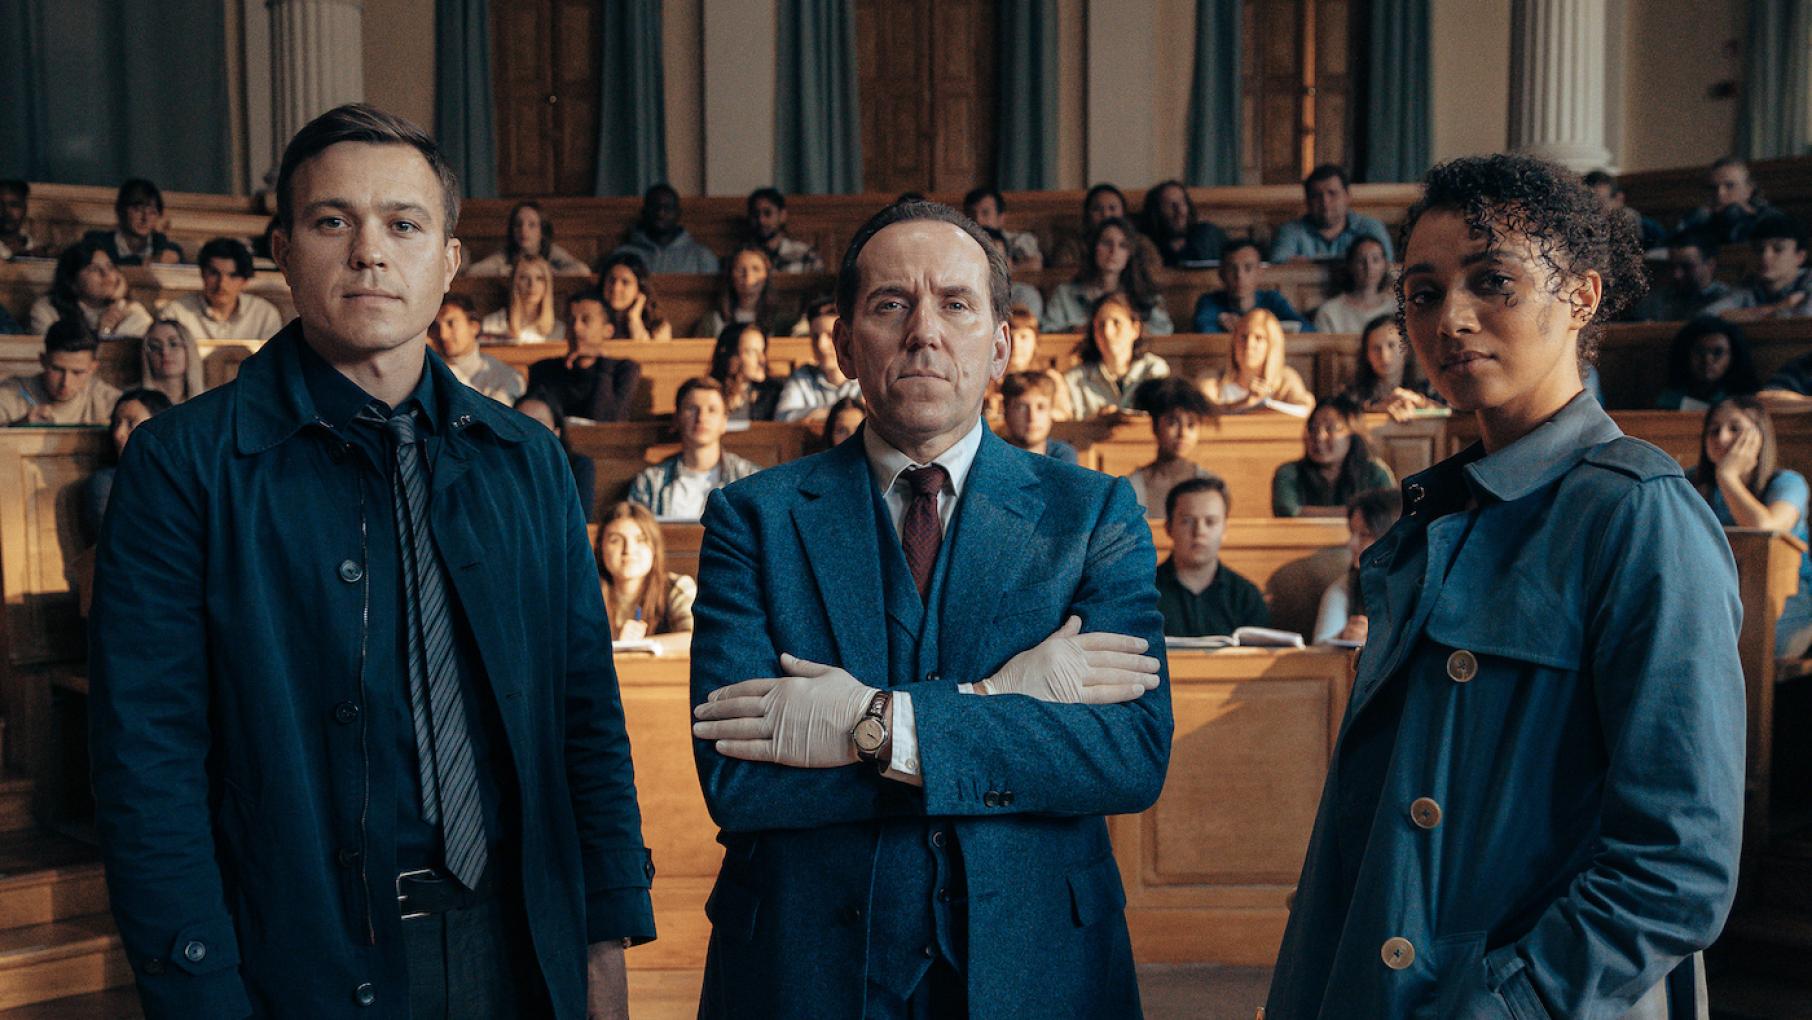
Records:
x=402, y=898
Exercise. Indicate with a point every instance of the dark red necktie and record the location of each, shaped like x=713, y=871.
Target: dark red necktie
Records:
x=922, y=530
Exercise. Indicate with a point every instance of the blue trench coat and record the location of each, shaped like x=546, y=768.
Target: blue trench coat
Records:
x=1535, y=805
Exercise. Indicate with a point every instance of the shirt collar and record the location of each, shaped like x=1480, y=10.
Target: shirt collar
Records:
x=1546, y=453
x=887, y=463
x=338, y=399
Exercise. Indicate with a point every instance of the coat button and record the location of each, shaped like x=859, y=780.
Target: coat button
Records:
x=351, y=572
x=1006, y=798
x=1398, y=953
x=990, y=799
x=346, y=713
x=933, y=677
x=347, y=857
x=195, y=952
x=1425, y=813
x=851, y=915
x=943, y=896
x=364, y=994
x=937, y=839
x=1462, y=666
x=1415, y=492
x=929, y=952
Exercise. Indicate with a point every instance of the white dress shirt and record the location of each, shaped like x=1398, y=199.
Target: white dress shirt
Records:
x=888, y=465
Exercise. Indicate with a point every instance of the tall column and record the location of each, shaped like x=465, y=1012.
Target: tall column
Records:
x=318, y=58
x=1557, y=83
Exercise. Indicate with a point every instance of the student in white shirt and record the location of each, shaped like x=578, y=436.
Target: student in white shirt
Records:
x=1341, y=616
x=676, y=488
x=223, y=311
x=530, y=316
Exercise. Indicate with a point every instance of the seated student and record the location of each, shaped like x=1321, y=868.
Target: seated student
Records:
x=455, y=335
x=1611, y=197
x=739, y=363
x=809, y=392
x=623, y=280
x=1367, y=292
x=67, y=391
x=223, y=311
x=1709, y=361
x=677, y=487
x=1026, y=399
x=138, y=208
x=1241, y=273
x=845, y=417
x=745, y=295
x=1782, y=285
x=1337, y=464
x=1177, y=411
x=659, y=240
x=641, y=598
x=131, y=410
x=1115, y=264
x=766, y=214
x=15, y=243
x=1022, y=356
x=1690, y=284
x=1341, y=615
x=586, y=383
x=543, y=407
x=1735, y=207
x=1019, y=293
x=1197, y=595
x=529, y=318
x=1111, y=359
x=1103, y=202
x=531, y=233
x=169, y=362
x=1168, y=218
x=1386, y=377
x=88, y=290
x=1739, y=475
x=1330, y=226
x=988, y=208
x=1255, y=372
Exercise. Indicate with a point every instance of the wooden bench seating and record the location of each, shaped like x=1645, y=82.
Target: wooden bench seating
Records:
x=1669, y=195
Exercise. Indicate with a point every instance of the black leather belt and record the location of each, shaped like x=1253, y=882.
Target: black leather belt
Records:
x=430, y=891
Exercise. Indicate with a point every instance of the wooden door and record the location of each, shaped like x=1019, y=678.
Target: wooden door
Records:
x=1296, y=87
x=926, y=77
x=544, y=77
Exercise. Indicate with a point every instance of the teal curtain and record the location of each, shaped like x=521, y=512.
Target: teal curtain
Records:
x=817, y=122
x=1397, y=109
x=1028, y=96
x=632, y=118
x=1772, y=121
x=1214, y=95
x=95, y=91
x=464, y=113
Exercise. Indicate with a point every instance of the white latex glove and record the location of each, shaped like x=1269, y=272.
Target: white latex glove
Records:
x=1071, y=667
x=802, y=719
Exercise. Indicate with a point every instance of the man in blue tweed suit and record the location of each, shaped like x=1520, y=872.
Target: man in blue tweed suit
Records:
x=919, y=680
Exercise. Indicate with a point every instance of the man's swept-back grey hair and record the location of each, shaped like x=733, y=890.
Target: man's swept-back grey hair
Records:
x=849, y=278
x=360, y=122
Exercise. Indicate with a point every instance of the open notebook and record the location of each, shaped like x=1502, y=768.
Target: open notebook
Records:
x=1245, y=637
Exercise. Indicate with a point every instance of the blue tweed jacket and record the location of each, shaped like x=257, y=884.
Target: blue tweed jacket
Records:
x=790, y=563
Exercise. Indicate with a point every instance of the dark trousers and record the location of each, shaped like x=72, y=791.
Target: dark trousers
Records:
x=475, y=962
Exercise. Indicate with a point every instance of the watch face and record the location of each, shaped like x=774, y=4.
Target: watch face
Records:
x=868, y=735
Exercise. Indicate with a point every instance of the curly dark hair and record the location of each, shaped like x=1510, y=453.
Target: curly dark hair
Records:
x=1570, y=230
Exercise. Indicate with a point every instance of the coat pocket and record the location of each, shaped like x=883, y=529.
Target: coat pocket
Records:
x=1460, y=988
x=1096, y=893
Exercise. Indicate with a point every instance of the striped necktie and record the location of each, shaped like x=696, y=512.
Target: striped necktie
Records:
x=443, y=743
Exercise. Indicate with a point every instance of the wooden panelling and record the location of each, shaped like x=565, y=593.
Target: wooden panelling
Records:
x=1209, y=869
x=1668, y=195
x=1768, y=566
x=926, y=75
x=1632, y=359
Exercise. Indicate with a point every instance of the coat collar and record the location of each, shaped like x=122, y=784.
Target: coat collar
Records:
x=272, y=402
x=1532, y=462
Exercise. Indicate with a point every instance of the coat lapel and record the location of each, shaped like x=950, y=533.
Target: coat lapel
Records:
x=836, y=526
x=999, y=503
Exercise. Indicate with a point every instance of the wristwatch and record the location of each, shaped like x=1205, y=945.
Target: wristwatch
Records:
x=871, y=737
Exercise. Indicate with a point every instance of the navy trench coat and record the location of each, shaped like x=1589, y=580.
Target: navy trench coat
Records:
x=249, y=870
x=1535, y=804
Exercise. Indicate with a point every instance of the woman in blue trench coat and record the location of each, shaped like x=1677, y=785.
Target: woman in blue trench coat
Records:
x=1535, y=805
